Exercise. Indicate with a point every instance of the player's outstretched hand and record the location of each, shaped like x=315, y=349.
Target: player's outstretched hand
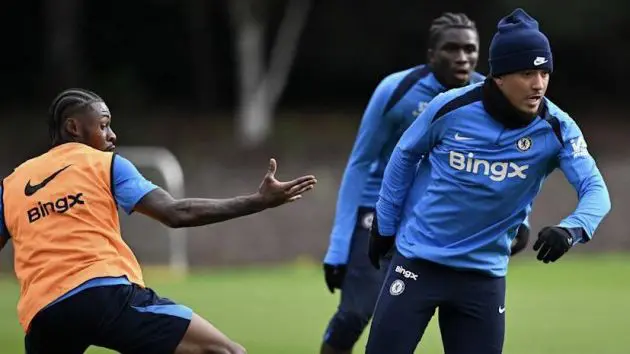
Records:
x=552, y=243
x=275, y=193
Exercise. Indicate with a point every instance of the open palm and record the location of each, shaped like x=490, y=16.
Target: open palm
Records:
x=276, y=193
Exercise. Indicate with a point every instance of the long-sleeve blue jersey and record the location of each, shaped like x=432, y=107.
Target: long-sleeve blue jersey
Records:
x=396, y=102
x=480, y=181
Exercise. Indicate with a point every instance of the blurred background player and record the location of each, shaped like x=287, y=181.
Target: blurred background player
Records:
x=81, y=284
x=490, y=146
x=397, y=101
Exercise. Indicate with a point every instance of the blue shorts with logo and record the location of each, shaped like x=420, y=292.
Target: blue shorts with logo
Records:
x=110, y=313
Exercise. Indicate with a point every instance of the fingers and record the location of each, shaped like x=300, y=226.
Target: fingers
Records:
x=273, y=166
x=302, y=187
x=295, y=192
x=539, y=242
x=550, y=245
x=294, y=198
x=550, y=252
x=298, y=194
x=553, y=256
x=304, y=190
x=330, y=285
x=284, y=192
x=300, y=180
x=328, y=281
x=543, y=252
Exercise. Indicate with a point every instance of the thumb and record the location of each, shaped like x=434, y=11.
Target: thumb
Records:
x=273, y=165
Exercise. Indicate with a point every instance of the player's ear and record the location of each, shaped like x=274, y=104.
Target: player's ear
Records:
x=430, y=56
x=71, y=126
x=498, y=81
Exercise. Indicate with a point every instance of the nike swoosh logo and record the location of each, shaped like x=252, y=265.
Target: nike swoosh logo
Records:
x=501, y=309
x=540, y=61
x=460, y=138
x=29, y=189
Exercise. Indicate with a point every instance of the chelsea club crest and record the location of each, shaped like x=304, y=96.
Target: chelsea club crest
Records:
x=524, y=144
x=421, y=106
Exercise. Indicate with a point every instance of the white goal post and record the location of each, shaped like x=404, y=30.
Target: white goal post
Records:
x=169, y=167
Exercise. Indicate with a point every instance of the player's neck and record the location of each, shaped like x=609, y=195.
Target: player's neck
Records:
x=500, y=108
x=63, y=142
x=445, y=85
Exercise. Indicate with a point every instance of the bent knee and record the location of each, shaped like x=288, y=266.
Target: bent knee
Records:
x=353, y=319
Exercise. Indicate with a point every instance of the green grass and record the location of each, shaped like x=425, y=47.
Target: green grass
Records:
x=579, y=305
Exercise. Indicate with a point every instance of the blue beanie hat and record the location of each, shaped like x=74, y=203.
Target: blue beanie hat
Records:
x=519, y=45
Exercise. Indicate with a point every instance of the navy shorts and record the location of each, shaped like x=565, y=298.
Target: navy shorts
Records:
x=359, y=291
x=126, y=318
x=471, y=309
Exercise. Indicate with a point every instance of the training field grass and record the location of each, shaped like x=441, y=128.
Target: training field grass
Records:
x=581, y=305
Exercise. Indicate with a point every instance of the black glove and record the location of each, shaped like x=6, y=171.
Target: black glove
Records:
x=553, y=242
x=379, y=245
x=521, y=239
x=334, y=274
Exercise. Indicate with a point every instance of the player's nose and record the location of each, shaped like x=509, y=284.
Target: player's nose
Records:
x=538, y=81
x=111, y=137
x=461, y=57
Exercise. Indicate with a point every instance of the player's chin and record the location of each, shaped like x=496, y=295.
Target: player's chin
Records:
x=530, y=106
x=460, y=78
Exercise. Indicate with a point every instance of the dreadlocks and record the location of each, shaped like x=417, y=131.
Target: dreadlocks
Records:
x=67, y=103
x=446, y=21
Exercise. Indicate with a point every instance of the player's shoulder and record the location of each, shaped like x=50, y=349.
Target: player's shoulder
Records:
x=120, y=161
x=87, y=156
x=73, y=153
x=454, y=100
x=555, y=112
x=27, y=164
x=32, y=163
x=561, y=122
x=80, y=156
x=563, y=126
x=396, y=85
x=413, y=74
x=123, y=168
x=477, y=77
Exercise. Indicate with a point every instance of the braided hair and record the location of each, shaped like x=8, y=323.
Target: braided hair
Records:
x=67, y=103
x=447, y=21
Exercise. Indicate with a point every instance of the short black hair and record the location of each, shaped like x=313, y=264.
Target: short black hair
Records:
x=447, y=21
x=67, y=103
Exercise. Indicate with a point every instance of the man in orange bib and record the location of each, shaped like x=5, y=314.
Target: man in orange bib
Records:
x=80, y=283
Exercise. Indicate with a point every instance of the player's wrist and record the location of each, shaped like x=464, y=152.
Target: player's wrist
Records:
x=578, y=234
x=566, y=233
x=258, y=201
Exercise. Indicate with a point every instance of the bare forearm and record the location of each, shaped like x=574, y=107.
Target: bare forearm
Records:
x=160, y=205
x=197, y=211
